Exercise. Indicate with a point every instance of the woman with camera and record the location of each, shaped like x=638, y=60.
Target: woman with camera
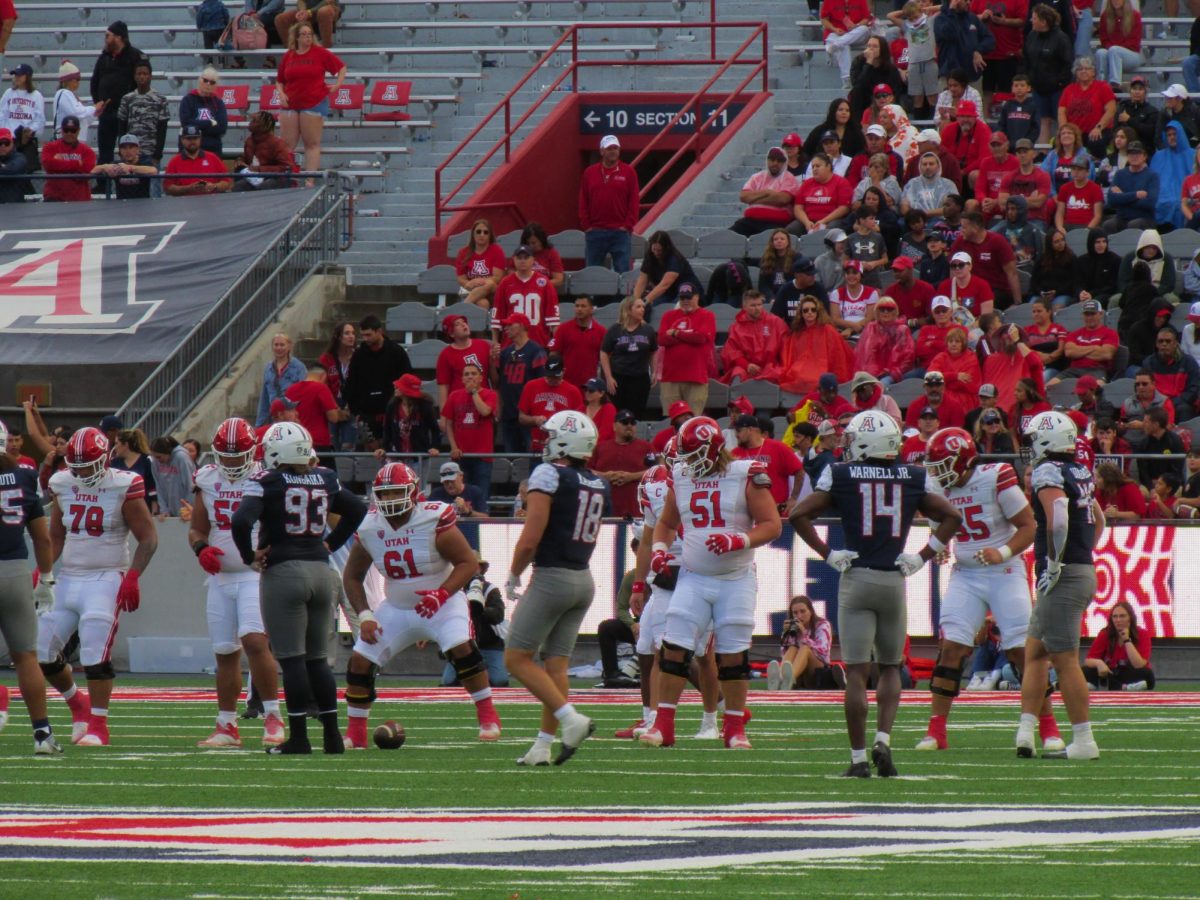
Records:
x=1120, y=656
x=804, y=647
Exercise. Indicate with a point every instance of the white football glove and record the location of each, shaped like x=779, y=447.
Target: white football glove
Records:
x=839, y=560
x=43, y=598
x=910, y=564
x=512, y=588
x=1049, y=577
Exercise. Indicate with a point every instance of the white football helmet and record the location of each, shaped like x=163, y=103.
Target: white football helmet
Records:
x=1051, y=432
x=569, y=433
x=3, y=438
x=872, y=434
x=287, y=443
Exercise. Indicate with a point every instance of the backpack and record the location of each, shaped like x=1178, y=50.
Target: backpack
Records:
x=245, y=32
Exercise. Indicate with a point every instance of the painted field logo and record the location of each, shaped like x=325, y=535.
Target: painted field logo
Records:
x=647, y=839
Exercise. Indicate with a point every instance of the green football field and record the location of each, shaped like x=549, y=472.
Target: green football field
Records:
x=152, y=816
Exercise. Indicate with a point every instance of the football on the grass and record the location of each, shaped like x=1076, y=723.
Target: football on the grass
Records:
x=389, y=736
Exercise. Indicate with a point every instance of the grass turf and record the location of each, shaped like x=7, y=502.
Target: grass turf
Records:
x=1149, y=759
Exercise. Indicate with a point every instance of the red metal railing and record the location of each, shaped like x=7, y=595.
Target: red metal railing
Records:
x=758, y=69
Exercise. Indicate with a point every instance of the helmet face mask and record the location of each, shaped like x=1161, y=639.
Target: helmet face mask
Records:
x=395, y=490
x=233, y=445
x=699, y=445
x=872, y=435
x=87, y=456
x=949, y=456
x=3, y=438
x=569, y=435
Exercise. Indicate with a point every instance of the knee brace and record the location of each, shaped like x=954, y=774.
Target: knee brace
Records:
x=470, y=665
x=53, y=668
x=360, y=688
x=100, y=672
x=679, y=668
x=739, y=672
x=945, y=673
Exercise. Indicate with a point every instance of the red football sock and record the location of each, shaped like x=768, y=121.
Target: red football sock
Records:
x=1047, y=727
x=80, y=706
x=3, y=698
x=485, y=711
x=356, y=730
x=937, y=730
x=664, y=721
x=734, y=723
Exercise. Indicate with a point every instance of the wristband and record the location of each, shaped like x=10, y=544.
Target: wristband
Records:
x=660, y=547
x=639, y=587
x=47, y=578
x=367, y=616
x=935, y=545
x=198, y=547
x=1005, y=553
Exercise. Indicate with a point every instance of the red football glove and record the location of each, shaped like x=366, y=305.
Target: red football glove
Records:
x=431, y=602
x=725, y=542
x=129, y=595
x=210, y=559
x=660, y=561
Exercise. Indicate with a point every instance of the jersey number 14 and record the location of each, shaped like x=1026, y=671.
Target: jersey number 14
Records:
x=881, y=501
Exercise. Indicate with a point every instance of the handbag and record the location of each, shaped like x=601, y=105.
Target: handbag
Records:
x=244, y=32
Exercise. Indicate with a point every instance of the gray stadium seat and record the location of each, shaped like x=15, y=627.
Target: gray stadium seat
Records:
x=501, y=470
x=627, y=281
x=606, y=316
x=508, y=242
x=344, y=466
x=1077, y=241
x=1118, y=390
x=570, y=244
x=907, y=391
x=703, y=274
x=1182, y=244
x=788, y=401
x=1071, y=318
x=684, y=242
x=520, y=469
x=812, y=244
x=780, y=425
x=724, y=314
x=718, y=395
x=594, y=281
x=411, y=318
x=1019, y=315
x=440, y=280
x=424, y=355
x=477, y=316
x=365, y=468
x=1062, y=394
x=637, y=247
x=1179, y=315
x=1124, y=241
x=763, y=394
x=654, y=398
x=723, y=244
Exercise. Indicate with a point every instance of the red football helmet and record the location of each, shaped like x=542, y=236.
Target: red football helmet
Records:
x=670, y=452
x=234, y=445
x=396, y=489
x=699, y=445
x=949, y=455
x=87, y=456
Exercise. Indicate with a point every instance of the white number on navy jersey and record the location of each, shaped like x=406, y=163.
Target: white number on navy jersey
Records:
x=306, y=508
x=877, y=505
x=587, y=521
x=12, y=508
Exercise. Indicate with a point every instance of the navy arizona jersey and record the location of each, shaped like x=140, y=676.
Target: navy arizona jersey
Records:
x=19, y=505
x=876, y=502
x=1075, y=480
x=578, y=500
x=294, y=509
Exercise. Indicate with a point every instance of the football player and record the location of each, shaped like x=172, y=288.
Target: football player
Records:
x=19, y=603
x=725, y=509
x=294, y=499
x=566, y=504
x=426, y=562
x=988, y=573
x=876, y=498
x=1069, y=524
x=234, y=613
x=94, y=510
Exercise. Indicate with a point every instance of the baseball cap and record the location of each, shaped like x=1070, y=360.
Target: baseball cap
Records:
x=679, y=408
x=5, y=134
x=862, y=378
x=987, y=390
x=928, y=136
x=834, y=236
x=1137, y=79
x=776, y=153
x=803, y=264
x=877, y=130
x=523, y=250
x=128, y=139
x=826, y=428
x=933, y=376
x=793, y=140
x=594, y=384
x=515, y=319
x=967, y=108
x=449, y=322
x=830, y=135
x=609, y=140
x=625, y=415
x=887, y=302
x=409, y=385
x=742, y=405
x=852, y=265
x=70, y=123
x=881, y=89
x=990, y=417
x=1135, y=147
x=189, y=131
x=554, y=367
x=961, y=256
x=277, y=406
x=1090, y=306
x=1176, y=90
x=1080, y=163
x=22, y=69
x=746, y=422
x=940, y=302
x=113, y=423
x=449, y=470
x=936, y=234
x=928, y=413
x=1086, y=383
x=687, y=289
x=1194, y=312
x=827, y=382
x=903, y=262
x=1024, y=144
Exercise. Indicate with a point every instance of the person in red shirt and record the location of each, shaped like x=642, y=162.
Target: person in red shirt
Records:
x=822, y=200
x=529, y=294
x=844, y=24
x=964, y=289
x=282, y=410
x=1005, y=19
x=542, y=398
x=608, y=207
x=992, y=169
x=754, y=345
x=679, y=413
x=68, y=156
x=1080, y=202
x=304, y=94
x=622, y=460
x=598, y=408
x=782, y=462
x=206, y=173
x=911, y=294
x=1030, y=181
x=1089, y=104
x=316, y=406
x=479, y=265
x=578, y=342
x=914, y=446
x=931, y=339
x=469, y=422
x=687, y=336
x=1012, y=361
x=992, y=259
x=966, y=139
x=463, y=350
x=949, y=413
x=1119, y=657
x=1091, y=348
x=1190, y=198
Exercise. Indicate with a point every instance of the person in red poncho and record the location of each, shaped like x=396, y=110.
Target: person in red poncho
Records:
x=812, y=348
x=885, y=347
x=960, y=368
x=1012, y=361
x=754, y=347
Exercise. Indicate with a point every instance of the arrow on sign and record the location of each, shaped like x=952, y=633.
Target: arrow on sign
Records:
x=591, y=118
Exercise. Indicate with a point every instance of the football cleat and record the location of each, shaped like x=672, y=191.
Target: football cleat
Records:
x=273, y=731
x=575, y=730
x=3, y=706
x=708, y=733
x=538, y=755
x=929, y=742
x=858, y=770
x=351, y=744
x=1053, y=744
x=881, y=756
x=738, y=742
x=489, y=731
x=632, y=731
x=48, y=746
x=1075, y=750
x=1025, y=743
x=3, y=718
x=224, y=737
x=97, y=733
x=78, y=730
x=652, y=737
x=977, y=682
x=774, y=677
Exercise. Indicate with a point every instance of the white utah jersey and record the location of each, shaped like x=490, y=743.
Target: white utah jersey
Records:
x=407, y=556
x=989, y=498
x=712, y=505
x=652, y=497
x=97, y=534
x=221, y=499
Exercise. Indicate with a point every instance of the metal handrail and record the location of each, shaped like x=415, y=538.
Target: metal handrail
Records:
x=309, y=240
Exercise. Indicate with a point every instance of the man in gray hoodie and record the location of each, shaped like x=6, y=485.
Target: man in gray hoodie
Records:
x=1025, y=239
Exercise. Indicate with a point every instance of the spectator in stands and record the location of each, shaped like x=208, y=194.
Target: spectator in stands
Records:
x=687, y=336
x=527, y=293
x=144, y=112
x=1118, y=495
x=8, y=19
x=543, y=397
x=1092, y=402
x=664, y=268
x=131, y=453
x=1149, y=314
x=1092, y=348
x=1080, y=202
x=1190, y=196
x=876, y=137
x=316, y=406
x=1138, y=116
x=463, y=350
x=930, y=141
x=12, y=163
x=211, y=19
x=902, y=136
x=112, y=79
x=871, y=73
x=1177, y=107
x=753, y=348
x=767, y=195
x=828, y=265
x=1120, y=42
x=336, y=360
x=921, y=76
x=845, y=24
x=1133, y=195
x=793, y=149
x=1023, y=236
x=23, y=112
x=929, y=190
x=194, y=170
x=1048, y=55
x=912, y=295
x=608, y=206
x=679, y=413
x=1053, y=278
x=990, y=175
x=852, y=304
x=960, y=369
x=783, y=465
x=130, y=170
x=1006, y=21
x=520, y=362
x=1159, y=440
x=1172, y=164
x=776, y=264
x=822, y=199
x=1096, y=270
x=1123, y=136
x=1189, y=342
x=934, y=265
x=987, y=400
x=622, y=460
x=546, y=260
x=1046, y=337
x=264, y=152
x=962, y=40
x=67, y=103
x=204, y=108
x=486, y=605
x=173, y=471
x=1019, y=117
x=991, y=437
x=325, y=13
x=931, y=338
x=867, y=246
x=949, y=412
x=1175, y=373
x=823, y=403
x=1134, y=408
x=867, y=393
x=1090, y=105
x=596, y=406
x=1012, y=361
x=885, y=347
x=965, y=289
x=626, y=356
x=303, y=92
x=1119, y=657
x=468, y=501
x=1149, y=250
x=1109, y=447
x=578, y=342
x=68, y=156
x=831, y=146
x=1030, y=182
x=1161, y=504
x=410, y=423
x=1189, y=499
x=468, y=420
x=966, y=139
x=374, y=368
x=479, y=265
x=992, y=260
x=838, y=119
x=812, y=348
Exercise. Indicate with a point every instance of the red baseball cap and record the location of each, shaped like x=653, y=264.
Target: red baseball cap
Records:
x=679, y=408
x=883, y=89
x=5, y=134
x=967, y=108
x=516, y=319
x=408, y=385
x=793, y=140
x=742, y=405
x=449, y=322
x=903, y=262
x=1086, y=383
